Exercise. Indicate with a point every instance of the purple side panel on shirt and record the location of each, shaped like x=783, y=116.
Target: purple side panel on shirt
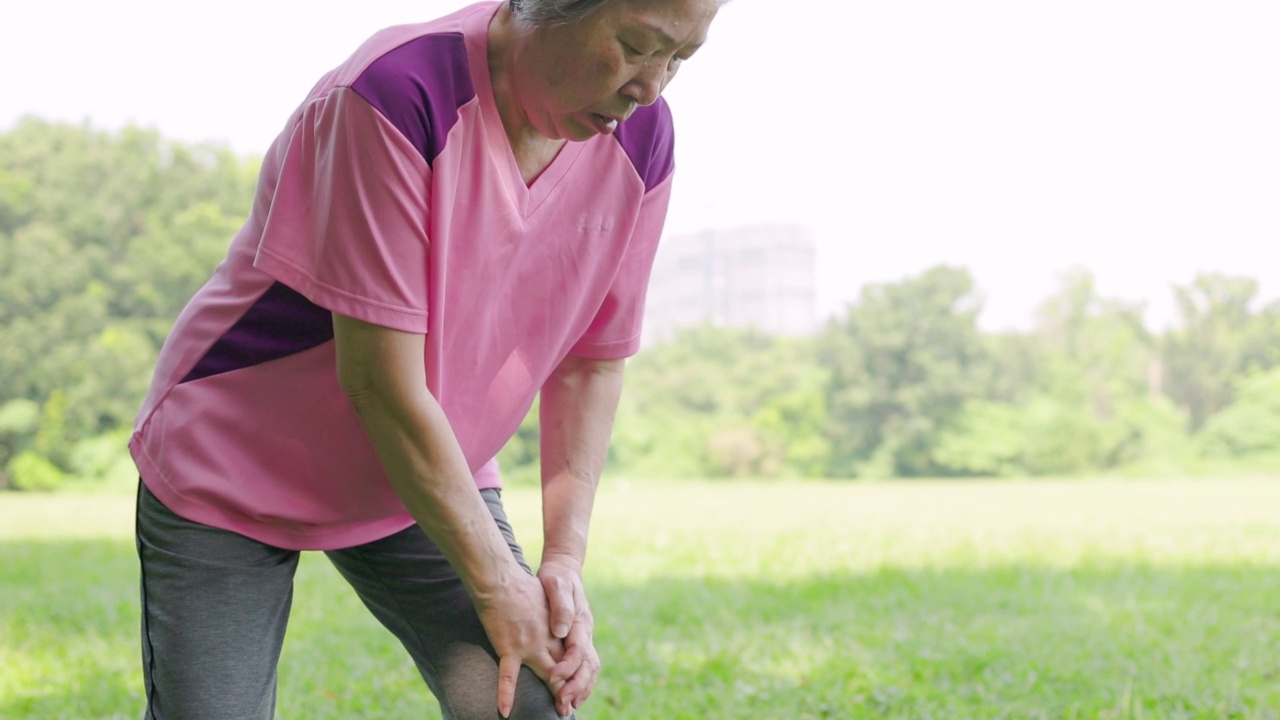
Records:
x=279, y=324
x=419, y=87
x=649, y=140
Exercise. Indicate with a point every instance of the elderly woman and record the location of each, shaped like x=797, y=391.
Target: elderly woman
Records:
x=459, y=217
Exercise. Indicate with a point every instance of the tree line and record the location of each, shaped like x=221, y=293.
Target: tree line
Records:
x=105, y=235
x=903, y=383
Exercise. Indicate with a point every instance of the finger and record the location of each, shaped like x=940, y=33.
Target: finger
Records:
x=561, y=605
x=583, y=682
x=569, y=662
x=555, y=678
x=508, y=674
x=577, y=690
x=564, y=701
x=542, y=662
x=578, y=650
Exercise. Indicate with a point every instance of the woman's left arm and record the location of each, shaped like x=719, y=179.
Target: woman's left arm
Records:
x=578, y=404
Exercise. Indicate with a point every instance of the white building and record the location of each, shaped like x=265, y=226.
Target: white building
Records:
x=760, y=276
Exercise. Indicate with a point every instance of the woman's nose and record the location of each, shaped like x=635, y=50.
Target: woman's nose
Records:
x=647, y=84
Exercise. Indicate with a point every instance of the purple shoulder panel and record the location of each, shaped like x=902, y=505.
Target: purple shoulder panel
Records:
x=419, y=87
x=278, y=324
x=649, y=140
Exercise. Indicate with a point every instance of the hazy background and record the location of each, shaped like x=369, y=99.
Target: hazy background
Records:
x=1124, y=565
x=1137, y=138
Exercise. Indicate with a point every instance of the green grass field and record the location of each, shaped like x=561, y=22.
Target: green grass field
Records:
x=1045, y=599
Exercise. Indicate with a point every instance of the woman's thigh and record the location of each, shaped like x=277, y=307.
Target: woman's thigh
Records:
x=412, y=589
x=214, y=609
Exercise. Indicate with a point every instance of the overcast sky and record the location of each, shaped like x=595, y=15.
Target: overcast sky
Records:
x=1139, y=138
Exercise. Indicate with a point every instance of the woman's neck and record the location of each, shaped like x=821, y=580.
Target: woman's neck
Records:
x=533, y=151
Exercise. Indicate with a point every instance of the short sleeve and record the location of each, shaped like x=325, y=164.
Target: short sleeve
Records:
x=614, y=333
x=347, y=225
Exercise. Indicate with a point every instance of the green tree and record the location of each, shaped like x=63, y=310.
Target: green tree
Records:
x=104, y=236
x=18, y=422
x=721, y=402
x=1079, y=393
x=1098, y=365
x=902, y=362
x=1262, y=345
x=1210, y=347
x=1249, y=427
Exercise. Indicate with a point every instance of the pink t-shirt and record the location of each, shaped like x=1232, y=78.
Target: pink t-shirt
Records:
x=392, y=196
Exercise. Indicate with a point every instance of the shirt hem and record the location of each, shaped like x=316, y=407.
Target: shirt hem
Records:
x=616, y=350
x=288, y=537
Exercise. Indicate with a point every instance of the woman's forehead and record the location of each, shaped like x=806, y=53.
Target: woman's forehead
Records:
x=676, y=22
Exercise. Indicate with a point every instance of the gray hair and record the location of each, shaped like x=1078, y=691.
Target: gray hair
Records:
x=553, y=12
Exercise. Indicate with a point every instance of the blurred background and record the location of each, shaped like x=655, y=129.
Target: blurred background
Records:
x=908, y=239
x=960, y=387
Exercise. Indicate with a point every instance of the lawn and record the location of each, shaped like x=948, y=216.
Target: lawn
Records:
x=981, y=599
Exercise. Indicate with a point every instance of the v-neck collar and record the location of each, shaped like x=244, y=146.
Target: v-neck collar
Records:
x=528, y=198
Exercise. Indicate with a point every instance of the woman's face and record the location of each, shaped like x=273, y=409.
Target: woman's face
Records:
x=579, y=80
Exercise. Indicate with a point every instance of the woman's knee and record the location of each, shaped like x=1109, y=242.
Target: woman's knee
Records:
x=475, y=697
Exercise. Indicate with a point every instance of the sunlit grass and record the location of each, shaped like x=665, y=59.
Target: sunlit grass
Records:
x=1055, y=599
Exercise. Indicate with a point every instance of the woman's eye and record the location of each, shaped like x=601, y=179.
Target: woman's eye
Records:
x=629, y=49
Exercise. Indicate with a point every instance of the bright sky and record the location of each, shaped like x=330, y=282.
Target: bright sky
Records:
x=1139, y=138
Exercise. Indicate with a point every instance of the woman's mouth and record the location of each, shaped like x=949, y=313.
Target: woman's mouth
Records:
x=604, y=124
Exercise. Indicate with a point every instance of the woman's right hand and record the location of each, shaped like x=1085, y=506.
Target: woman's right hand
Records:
x=517, y=621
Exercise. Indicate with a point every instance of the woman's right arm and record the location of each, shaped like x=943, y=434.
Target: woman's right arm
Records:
x=382, y=371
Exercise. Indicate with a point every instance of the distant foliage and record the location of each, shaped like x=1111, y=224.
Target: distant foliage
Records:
x=904, y=384
x=1219, y=339
x=901, y=364
x=104, y=236
x=719, y=402
x=1249, y=427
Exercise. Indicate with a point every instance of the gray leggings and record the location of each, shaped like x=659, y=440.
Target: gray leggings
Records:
x=215, y=605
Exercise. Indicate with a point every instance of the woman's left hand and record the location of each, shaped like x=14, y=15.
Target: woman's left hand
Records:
x=574, y=677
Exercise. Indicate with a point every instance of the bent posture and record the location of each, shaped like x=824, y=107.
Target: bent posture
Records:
x=460, y=216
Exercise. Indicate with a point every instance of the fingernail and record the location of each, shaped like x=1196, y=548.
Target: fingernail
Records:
x=560, y=630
